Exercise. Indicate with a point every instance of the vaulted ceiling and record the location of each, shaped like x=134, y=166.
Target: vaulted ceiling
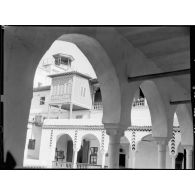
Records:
x=168, y=47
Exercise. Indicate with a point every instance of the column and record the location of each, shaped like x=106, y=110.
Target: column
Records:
x=103, y=159
x=133, y=159
x=173, y=161
x=75, y=158
x=161, y=142
x=114, y=144
x=188, y=157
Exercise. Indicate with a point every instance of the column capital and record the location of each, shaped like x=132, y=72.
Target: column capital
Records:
x=115, y=129
x=188, y=147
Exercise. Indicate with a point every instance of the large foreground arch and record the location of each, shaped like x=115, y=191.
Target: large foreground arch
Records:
x=26, y=53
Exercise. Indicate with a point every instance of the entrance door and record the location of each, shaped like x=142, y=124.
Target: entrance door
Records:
x=85, y=151
x=122, y=160
x=179, y=161
x=69, y=151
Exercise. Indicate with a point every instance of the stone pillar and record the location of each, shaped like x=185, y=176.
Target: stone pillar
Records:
x=173, y=161
x=115, y=133
x=133, y=154
x=114, y=144
x=188, y=157
x=75, y=158
x=162, y=143
x=103, y=159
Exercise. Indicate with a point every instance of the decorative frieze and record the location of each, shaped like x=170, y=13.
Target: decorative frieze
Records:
x=102, y=140
x=51, y=139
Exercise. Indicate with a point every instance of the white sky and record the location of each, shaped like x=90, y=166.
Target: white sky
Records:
x=80, y=63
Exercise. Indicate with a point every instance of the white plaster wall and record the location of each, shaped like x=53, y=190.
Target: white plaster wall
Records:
x=35, y=133
x=140, y=116
x=36, y=108
x=85, y=114
x=77, y=99
x=46, y=149
x=147, y=156
x=96, y=114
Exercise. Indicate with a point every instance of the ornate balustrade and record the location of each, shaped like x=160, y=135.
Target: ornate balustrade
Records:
x=139, y=102
x=97, y=106
x=61, y=164
x=88, y=166
x=136, y=103
x=61, y=98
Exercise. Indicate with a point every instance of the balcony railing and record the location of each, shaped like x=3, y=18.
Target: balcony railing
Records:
x=61, y=98
x=139, y=102
x=136, y=103
x=61, y=164
x=69, y=165
x=97, y=106
x=88, y=166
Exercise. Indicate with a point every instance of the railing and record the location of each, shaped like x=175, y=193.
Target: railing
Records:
x=61, y=164
x=139, y=102
x=97, y=106
x=88, y=166
x=136, y=103
x=61, y=98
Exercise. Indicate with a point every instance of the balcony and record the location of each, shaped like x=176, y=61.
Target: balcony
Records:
x=65, y=98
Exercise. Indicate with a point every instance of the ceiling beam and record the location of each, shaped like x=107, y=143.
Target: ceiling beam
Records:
x=159, y=75
x=180, y=102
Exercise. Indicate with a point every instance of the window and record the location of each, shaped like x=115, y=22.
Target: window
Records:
x=79, y=116
x=93, y=155
x=62, y=60
x=93, y=159
x=42, y=100
x=65, y=61
x=83, y=91
x=31, y=144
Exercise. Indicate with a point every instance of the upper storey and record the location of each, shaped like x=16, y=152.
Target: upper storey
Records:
x=70, y=88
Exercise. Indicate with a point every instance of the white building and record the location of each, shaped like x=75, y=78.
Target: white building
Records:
x=65, y=127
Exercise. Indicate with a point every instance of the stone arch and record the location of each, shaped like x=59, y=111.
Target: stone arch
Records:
x=135, y=113
x=61, y=134
x=158, y=112
x=184, y=116
x=25, y=47
x=90, y=144
x=64, y=148
x=90, y=136
x=146, y=155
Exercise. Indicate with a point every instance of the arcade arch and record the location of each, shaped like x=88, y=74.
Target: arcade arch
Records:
x=89, y=152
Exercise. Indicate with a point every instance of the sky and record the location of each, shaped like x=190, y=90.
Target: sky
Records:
x=80, y=63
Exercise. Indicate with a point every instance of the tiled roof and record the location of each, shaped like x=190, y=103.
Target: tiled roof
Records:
x=43, y=88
